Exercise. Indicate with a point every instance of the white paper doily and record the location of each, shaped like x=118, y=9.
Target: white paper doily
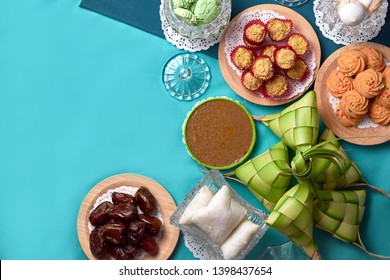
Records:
x=234, y=38
x=325, y=12
x=196, y=247
x=128, y=190
x=191, y=45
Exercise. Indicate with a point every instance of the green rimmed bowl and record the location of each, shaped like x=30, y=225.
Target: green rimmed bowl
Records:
x=219, y=133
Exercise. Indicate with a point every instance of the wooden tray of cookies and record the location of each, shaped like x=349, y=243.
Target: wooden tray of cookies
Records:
x=361, y=136
x=300, y=24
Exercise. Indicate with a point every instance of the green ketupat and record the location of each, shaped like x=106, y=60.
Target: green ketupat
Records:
x=297, y=125
x=328, y=175
x=340, y=213
x=292, y=216
x=323, y=196
x=268, y=175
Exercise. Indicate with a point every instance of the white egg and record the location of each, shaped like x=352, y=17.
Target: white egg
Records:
x=351, y=13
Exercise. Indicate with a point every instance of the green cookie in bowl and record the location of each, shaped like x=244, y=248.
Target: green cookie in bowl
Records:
x=197, y=19
x=196, y=12
x=219, y=133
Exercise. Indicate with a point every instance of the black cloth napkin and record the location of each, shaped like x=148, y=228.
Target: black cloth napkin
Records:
x=145, y=15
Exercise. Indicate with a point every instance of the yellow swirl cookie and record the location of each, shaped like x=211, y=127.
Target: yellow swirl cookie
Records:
x=338, y=83
x=369, y=83
x=351, y=63
x=379, y=114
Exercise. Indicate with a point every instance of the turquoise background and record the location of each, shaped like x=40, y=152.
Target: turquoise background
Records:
x=81, y=99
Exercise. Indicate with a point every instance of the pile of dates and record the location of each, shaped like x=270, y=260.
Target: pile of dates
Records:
x=120, y=231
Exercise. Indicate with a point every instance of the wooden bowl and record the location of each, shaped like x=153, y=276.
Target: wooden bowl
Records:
x=169, y=234
x=361, y=136
x=301, y=25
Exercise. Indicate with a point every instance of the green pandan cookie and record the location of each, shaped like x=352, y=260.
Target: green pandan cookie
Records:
x=186, y=4
x=185, y=15
x=206, y=10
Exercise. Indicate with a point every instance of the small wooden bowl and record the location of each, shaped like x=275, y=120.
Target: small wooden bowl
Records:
x=169, y=234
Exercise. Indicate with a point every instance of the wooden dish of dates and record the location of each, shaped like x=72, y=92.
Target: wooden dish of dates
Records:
x=126, y=216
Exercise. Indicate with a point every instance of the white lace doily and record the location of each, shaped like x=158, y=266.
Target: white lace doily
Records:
x=197, y=247
x=128, y=190
x=234, y=38
x=191, y=45
x=325, y=12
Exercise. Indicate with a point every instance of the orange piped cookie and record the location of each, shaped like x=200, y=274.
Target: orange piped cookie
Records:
x=344, y=120
x=379, y=114
x=374, y=59
x=353, y=105
x=351, y=62
x=338, y=83
x=369, y=83
x=384, y=98
x=386, y=73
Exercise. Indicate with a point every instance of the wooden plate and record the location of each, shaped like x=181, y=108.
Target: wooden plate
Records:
x=361, y=136
x=169, y=235
x=234, y=81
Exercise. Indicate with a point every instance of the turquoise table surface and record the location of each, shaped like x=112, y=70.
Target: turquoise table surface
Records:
x=81, y=99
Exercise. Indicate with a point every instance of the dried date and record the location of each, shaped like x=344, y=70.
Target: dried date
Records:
x=114, y=233
x=120, y=253
x=120, y=231
x=152, y=224
x=123, y=211
x=131, y=249
x=145, y=200
x=118, y=197
x=100, y=214
x=135, y=231
x=99, y=247
x=149, y=244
